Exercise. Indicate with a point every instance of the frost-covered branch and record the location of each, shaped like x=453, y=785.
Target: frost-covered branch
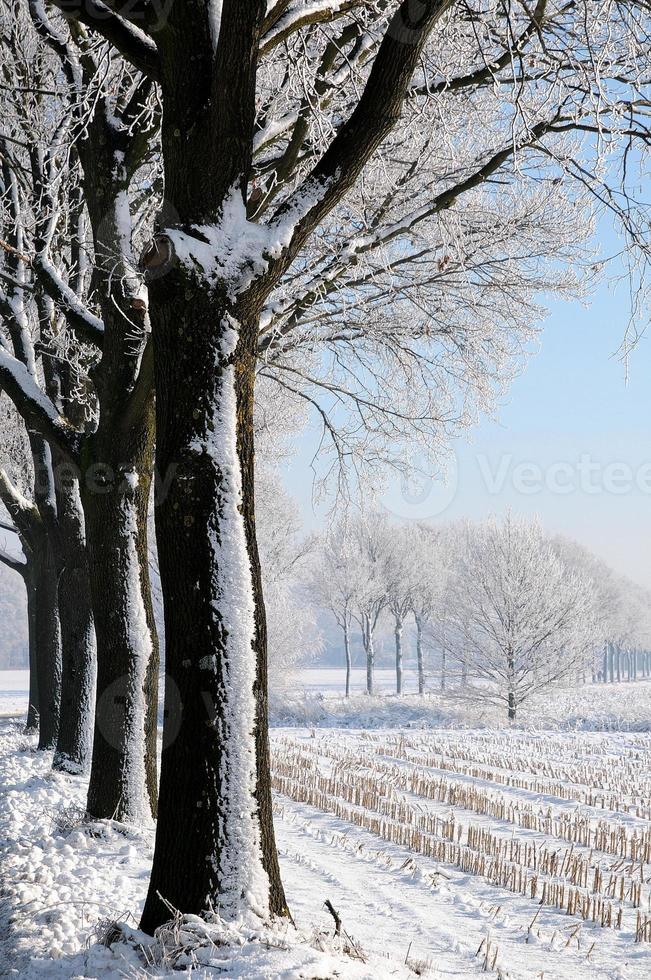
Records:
x=375, y=114
x=35, y=407
x=89, y=327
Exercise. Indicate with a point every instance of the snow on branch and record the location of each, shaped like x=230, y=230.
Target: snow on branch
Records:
x=329, y=278
x=235, y=250
x=376, y=113
x=85, y=323
x=34, y=406
x=136, y=46
x=300, y=15
x=21, y=510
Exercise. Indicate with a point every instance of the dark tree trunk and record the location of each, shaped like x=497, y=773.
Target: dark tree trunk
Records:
x=511, y=682
x=244, y=391
x=214, y=839
x=47, y=641
x=511, y=706
x=31, y=725
x=74, y=742
x=115, y=494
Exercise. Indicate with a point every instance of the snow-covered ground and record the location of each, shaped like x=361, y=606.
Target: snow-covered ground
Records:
x=332, y=680
x=14, y=692
x=316, y=698
x=536, y=815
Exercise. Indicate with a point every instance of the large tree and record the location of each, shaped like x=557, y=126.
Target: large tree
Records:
x=493, y=91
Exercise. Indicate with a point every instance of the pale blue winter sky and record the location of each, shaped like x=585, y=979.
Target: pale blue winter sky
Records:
x=571, y=414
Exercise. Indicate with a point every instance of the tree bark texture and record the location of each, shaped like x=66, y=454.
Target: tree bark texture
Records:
x=207, y=513
x=398, y=638
x=78, y=666
x=31, y=724
x=348, y=657
x=47, y=642
x=419, y=655
x=115, y=495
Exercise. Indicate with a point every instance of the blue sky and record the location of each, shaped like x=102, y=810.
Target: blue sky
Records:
x=572, y=443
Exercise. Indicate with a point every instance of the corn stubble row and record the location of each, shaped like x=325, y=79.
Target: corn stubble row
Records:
x=390, y=795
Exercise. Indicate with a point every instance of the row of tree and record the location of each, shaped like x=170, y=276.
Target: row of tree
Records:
x=509, y=610
x=353, y=202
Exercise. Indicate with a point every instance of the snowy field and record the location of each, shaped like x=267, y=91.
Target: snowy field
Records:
x=331, y=681
x=14, y=692
x=316, y=699
x=448, y=853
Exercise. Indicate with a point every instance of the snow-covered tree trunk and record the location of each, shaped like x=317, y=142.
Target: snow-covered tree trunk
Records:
x=398, y=637
x=419, y=655
x=74, y=742
x=346, y=629
x=117, y=468
x=369, y=650
x=215, y=814
x=123, y=771
x=444, y=667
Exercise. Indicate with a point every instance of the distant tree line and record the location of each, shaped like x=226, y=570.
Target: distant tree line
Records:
x=509, y=610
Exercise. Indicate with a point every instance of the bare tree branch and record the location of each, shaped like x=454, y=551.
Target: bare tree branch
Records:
x=137, y=47
x=35, y=407
x=377, y=112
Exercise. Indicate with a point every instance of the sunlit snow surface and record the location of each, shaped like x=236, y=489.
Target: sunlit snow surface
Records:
x=62, y=876
x=14, y=692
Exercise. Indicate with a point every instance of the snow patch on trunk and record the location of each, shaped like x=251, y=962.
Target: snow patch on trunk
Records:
x=244, y=885
x=136, y=805
x=235, y=251
x=215, y=20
